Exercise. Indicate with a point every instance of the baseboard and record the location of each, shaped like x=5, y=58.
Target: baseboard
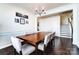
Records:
x=77, y=47
x=5, y=46
x=57, y=36
x=62, y=37
x=65, y=37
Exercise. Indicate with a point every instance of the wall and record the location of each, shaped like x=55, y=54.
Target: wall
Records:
x=65, y=26
x=50, y=24
x=9, y=28
x=76, y=24
x=75, y=9
x=64, y=17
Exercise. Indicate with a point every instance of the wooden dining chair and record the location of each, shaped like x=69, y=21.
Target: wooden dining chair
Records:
x=25, y=49
x=42, y=46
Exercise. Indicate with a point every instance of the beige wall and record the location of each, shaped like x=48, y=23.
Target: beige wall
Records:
x=65, y=27
x=64, y=17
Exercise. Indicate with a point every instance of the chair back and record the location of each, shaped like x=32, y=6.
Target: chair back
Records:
x=16, y=44
x=52, y=36
x=47, y=39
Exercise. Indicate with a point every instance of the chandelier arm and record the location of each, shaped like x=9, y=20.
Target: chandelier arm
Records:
x=40, y=11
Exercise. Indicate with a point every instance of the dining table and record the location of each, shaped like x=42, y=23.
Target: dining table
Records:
x=33, y=38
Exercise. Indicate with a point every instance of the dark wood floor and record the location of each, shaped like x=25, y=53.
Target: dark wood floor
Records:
x=63, y=46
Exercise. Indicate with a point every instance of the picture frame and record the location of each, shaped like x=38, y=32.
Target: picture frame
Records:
x=21, y=15
x=18, y=14
x=26, y=22
x=22, y=21
x=25, y=16
x=16, y=20
x=37, y=23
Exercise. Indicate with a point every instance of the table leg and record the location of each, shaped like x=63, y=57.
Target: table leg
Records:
x=36, y=51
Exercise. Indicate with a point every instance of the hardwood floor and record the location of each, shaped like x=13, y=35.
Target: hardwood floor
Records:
x=63, y=46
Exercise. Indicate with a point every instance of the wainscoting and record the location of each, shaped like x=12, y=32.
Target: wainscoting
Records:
x=5, y=40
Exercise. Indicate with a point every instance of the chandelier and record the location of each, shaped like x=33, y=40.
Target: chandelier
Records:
x=40, y=11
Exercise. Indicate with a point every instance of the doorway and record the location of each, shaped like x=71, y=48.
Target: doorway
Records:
x=66, y=24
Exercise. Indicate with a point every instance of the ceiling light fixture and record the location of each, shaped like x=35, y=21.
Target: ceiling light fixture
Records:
x=40, y=11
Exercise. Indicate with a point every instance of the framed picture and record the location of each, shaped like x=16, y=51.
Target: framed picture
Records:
x=21, y=15
x=16, y=20
x=37, y=23
x=25, y=16
x=18, y=14
x=22, y=21
x=27, y=22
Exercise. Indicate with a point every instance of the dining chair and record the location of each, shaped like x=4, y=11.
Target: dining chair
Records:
x=52, y=38
x=25, y=49
x=42, y=46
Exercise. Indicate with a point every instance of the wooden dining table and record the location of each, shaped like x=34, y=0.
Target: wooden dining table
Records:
x=33, y=38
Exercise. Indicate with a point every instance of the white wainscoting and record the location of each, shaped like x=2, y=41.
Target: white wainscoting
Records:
x=5, y=40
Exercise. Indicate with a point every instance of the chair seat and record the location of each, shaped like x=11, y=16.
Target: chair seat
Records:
x=27, y=49
x=21, y=40
x=41, y=46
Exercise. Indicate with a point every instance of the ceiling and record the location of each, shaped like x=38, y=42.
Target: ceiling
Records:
x=31, y=6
